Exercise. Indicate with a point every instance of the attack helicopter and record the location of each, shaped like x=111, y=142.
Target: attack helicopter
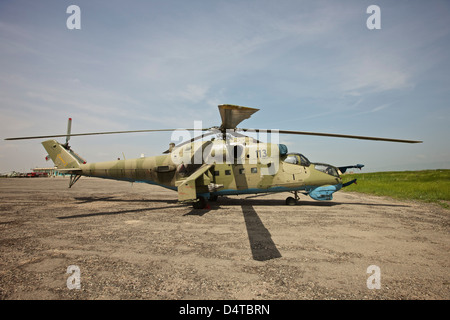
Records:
x=231, y=162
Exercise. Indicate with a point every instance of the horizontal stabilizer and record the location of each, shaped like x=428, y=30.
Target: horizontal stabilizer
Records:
x=343, y=169
x=71, y=171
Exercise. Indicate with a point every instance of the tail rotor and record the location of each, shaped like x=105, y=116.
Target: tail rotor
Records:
x=69, y=131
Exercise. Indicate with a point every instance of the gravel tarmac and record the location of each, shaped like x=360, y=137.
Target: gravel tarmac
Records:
x=135, y=241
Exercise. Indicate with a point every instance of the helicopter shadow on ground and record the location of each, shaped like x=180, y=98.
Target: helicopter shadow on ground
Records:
x=254, y=201
x=249, y=200
x=90, y=199
x=110, y=213
x=170, y=204
x=261, y=244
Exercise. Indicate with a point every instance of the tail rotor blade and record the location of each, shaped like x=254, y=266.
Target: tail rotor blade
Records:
x=69, y=130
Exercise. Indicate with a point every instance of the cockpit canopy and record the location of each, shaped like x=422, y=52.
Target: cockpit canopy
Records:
x=297, y=158
x=326, y=168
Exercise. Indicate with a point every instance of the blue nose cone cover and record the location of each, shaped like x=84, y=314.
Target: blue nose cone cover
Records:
x=325, y=192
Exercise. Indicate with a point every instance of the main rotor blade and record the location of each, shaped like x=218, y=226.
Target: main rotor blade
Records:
x=237, y=134
x=192, y=140
x=233, y=115
x=333, y=135
x=98, y=133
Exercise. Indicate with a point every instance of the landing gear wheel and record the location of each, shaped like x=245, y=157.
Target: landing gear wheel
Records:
x=200, y=203
x=291, y=201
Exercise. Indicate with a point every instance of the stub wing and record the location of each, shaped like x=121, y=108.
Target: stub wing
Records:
x=187, y=190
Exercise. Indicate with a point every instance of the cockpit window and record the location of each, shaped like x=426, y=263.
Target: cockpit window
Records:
x=304, y=161
x=291, y=159
x=297, y=158
x=326, y=168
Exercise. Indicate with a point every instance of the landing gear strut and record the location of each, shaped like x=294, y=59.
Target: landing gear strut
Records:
x=73, y=179
x=290, y=201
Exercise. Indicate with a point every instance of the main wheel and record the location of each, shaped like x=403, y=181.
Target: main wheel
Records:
x=200, y=203
x=291, y=201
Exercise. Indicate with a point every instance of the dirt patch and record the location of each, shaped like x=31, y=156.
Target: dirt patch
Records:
x=135, y=241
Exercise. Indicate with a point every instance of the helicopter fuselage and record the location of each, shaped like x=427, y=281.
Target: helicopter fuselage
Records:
x=258, y=169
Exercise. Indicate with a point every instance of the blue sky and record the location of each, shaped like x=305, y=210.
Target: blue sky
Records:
x=307, y=65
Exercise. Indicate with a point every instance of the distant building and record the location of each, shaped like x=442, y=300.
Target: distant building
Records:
x=50, y=172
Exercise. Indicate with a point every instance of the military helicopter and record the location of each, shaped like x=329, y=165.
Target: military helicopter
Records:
x=230, y=163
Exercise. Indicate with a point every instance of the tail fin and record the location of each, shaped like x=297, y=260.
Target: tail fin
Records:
x=62, y=158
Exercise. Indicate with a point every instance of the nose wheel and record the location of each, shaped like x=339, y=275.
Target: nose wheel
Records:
x=291, y=201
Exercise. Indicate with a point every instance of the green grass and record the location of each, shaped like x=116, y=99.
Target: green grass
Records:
x=428, y=185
